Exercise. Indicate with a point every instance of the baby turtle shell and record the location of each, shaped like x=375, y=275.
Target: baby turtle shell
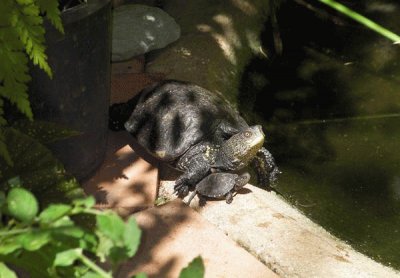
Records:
x=219, y=185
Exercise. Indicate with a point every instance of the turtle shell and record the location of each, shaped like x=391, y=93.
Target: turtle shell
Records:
x=216, y=185
x=173, y=116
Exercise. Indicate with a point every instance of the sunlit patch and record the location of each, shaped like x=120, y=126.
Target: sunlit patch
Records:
x=144, y=45
x=253, y=41
x=245, y=6
x=229, y=39
x=150, y=18
x=380, y=7
x=229, y=31
x=149, y=36
x=184, y=51
x=160, y=154
x=226, y=47
x=204, y=28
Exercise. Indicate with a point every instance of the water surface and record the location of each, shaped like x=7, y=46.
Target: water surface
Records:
x=331, y=107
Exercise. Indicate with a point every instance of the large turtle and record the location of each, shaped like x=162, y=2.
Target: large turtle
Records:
x=194, y=131
x=218, y=185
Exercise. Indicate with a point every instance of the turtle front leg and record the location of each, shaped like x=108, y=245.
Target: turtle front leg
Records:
x=195, y=171
x=229, y=197
x=195, y=164
x=267, y=171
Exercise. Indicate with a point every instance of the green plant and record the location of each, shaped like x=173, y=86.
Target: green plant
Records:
x=68, y=248
x=50, y=243
x=35, y=165
x=22, y=36
x=362, y=20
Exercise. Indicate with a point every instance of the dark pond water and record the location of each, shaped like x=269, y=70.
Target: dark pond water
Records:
x=331, y=108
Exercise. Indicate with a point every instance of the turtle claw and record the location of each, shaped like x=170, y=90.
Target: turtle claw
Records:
x=181, y=189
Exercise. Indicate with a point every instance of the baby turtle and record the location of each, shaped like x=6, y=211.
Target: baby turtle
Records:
x=220, y=185
x=195, y=131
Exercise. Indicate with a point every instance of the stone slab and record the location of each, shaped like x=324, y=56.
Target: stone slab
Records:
x=174, y=234
x=282, y=237
x=125, y=181
x=138, y=29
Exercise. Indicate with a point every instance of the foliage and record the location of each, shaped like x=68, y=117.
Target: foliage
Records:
x=195, y=269
x=37, y=168
x=362, y=19
x=49, y=243
x=22, y=36
x=70, y=249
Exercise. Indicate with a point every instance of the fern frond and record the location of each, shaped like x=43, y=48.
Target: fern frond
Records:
x=21, y=33
x=28, y=24
x=3, y=147
x=50, y=8
x=14, y=75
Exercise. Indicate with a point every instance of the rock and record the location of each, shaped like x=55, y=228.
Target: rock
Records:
x=218, y=40
x=138, y=29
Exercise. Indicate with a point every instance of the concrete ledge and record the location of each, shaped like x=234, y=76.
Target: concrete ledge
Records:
x=283, y=238
x=174, y=234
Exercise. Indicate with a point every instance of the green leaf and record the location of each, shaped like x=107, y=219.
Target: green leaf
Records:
x=140, y=275
x=39, y=171
x=3, y=150
x=71, y=231
x=34, y=240
x=86, y=202
x=9, y=246
x=64, y=221
x=118, y=254
x=111, y=225
x=54, y=212
x=91, y=274
x=104, y=247
x=88, y=242
x=80, y=271
x=195, y=269
x=50, y=8
x=362, y=19
x=6, y=272
x=68, y=257
x=22, y=204
x=14, y=71
x=132, y=235
x=14, y=182
x=2, y=199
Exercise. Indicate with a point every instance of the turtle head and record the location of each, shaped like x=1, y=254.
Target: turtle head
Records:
x=236, y=152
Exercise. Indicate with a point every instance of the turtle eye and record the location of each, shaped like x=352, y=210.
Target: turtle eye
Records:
x=247, y=134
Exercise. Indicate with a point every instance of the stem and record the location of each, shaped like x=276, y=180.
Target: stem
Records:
x=362, y=19
x=15, y=231
x=94, y=267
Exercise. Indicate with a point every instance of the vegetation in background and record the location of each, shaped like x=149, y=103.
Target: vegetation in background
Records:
x=22, y=36
x=37, y=168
